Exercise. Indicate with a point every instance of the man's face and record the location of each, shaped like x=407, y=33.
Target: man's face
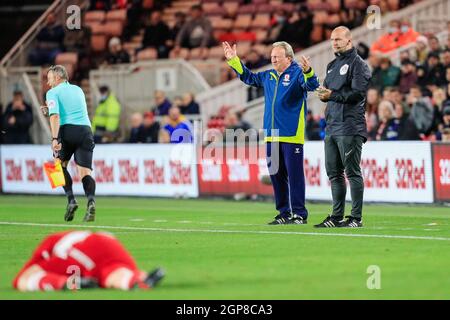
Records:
x=434, y=44
x=339, y=42
x=372, y=96
x=159, y=97
x=446, y=58
x=432, y=61
x=279, y=60
x=374, y=60
x=187, y=99
x=397, y=97
x=174, y=114
x=447, y=119
x=155, y=18
x=195, y=13
x=136, y=120
x=51, y=79
x=447, y=74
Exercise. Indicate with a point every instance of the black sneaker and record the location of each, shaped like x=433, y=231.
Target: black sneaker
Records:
x=90, y=212
x=295, y=219
x=329, y=222
x=280, y=219
x=351, y=222
x=154, y=277
x=72, y=206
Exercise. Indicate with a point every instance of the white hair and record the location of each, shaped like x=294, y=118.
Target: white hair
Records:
x=286, y=46
x=59, y=71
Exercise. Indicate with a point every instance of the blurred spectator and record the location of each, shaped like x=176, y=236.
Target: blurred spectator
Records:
x=157, y=35
x=434, y=70
x=180, y=20
x=435, y=46
x=406, y=34
x=374, y=64
x=447, y=75
x=279, y=27
x=116, y=54
x=388, y=41
x=189, y=106
x=49, y=43
x=254, y=60
x=422, y=111
x=408, y=76
x=105, y=124
x=177, y=129
x=390, y=75
x=134, y=18
x=372, y=102
x=300, y=30
x=405, y=56
x=197, y=32
x=136, y=128
x=363, y=50
x=162, y=104
x=385, y=129
x=446, y=59
x=444, y=132
x=421, y=49
x=237, y=128
x=405, y=126
x=79, y=41
x=398, y=98
x=2, y=132
x=17, y=120
x=312, y=127
x=177, y=101
x=150, y=129
x=387, y=94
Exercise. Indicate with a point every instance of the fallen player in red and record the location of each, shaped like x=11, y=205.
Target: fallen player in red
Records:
x=83, y=259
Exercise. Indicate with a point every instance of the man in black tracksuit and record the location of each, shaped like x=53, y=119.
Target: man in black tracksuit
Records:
x=344, y=90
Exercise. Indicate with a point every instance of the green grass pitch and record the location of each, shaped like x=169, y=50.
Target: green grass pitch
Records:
x=218, y=249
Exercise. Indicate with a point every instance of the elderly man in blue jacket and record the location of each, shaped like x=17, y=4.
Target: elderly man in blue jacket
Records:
x=286, y=88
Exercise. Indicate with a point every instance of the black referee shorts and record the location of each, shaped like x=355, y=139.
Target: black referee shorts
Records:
x=78, y=140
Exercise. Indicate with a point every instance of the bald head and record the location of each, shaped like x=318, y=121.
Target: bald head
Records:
x=341, y=39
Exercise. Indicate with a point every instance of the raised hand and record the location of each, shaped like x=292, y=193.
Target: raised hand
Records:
x=305, y=63
x=229, y=52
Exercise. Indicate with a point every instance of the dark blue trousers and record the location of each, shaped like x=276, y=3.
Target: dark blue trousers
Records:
x=285, y=163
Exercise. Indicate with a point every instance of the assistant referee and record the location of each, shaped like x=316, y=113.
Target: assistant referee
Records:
x=71, y=135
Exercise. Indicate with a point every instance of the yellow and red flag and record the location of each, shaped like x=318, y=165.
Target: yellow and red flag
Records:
x=54, y=173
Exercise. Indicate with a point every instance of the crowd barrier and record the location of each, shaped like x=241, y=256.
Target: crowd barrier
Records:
x=404, y=172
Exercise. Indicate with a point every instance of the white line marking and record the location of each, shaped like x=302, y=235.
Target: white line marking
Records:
x=354, y=235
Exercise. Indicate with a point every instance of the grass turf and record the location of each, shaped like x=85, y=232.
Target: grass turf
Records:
x=217, y=249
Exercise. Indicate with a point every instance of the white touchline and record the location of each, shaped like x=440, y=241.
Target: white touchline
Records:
x=355, y=235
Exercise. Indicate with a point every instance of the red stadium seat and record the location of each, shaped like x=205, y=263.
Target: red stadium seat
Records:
x=113, y=28
x=98, y=16
x=117, y=15
x=67, y=58
x=216, y=53
x=243, y=21
x=247, y=9
x=98, y=42
x=262, y=21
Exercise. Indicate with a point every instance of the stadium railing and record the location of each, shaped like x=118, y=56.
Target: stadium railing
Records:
x=29, y=81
